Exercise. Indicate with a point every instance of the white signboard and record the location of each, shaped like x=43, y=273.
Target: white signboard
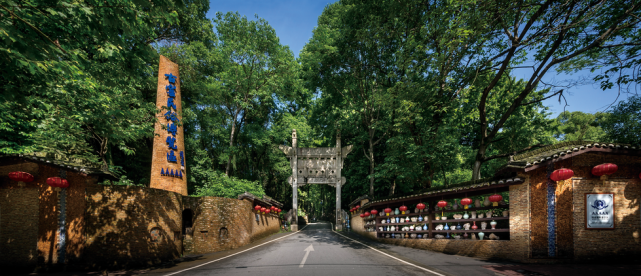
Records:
x=599, y=211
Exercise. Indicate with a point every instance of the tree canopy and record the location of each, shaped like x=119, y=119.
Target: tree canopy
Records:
x=424, y=90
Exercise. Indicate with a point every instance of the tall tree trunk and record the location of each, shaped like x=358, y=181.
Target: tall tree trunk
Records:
x=231, y=143
x=478, y=162
x=392, y=187
x=371, y=167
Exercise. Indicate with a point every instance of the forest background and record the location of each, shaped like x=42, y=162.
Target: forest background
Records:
x=424, y=90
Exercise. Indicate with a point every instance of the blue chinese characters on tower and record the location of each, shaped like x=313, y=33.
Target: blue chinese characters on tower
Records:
x=172, y=129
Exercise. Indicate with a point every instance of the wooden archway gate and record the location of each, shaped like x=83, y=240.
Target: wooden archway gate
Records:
x=316, y=166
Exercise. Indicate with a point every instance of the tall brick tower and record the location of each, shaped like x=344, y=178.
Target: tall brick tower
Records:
x=168, y=157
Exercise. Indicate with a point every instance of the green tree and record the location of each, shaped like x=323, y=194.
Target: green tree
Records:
x=256, y=71
x=572, y=126
x=623, y=125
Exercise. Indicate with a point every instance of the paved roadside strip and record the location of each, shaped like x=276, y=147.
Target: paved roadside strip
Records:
x=429, y=261
x=392, y=255
x=217, y=256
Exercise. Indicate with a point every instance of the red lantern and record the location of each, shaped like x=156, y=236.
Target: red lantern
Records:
x=367, y=214
x=387, y=211
x=374, y=212
x=604, y=170
x=420, y=206
x=263, y=209
x=442, y=204
x=279, y=210
x=362, y=215
x=21, y=177
x=57, y=182
x=257, y=208
x=561, y=174
x=357, y=207
x=403, y=209
x=495, y=199
x=267, y=211
x=466, y=202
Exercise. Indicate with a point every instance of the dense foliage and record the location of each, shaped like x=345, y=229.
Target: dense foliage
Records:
x=424, y=90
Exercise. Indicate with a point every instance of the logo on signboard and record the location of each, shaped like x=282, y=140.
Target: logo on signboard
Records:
x=599, y=204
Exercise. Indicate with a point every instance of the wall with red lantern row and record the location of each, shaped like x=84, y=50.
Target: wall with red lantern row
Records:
x=573, y=241
x=43, y=201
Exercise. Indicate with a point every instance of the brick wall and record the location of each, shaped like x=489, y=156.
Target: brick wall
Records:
x=131, y=226
x=225, y=223
x=609, y=245
x=18, y=226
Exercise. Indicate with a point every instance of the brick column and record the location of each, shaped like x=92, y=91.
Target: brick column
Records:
x=168, y=173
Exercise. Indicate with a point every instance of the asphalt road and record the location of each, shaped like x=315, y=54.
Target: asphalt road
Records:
x=317, y=250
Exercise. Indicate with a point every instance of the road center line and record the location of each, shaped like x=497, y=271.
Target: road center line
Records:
x=388, y=255
x=181, y=271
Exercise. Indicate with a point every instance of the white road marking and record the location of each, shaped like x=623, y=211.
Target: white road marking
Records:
x=307, y=250
x=181, y=271
x=388, y=255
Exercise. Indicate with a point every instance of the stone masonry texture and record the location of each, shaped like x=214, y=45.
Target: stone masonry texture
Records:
x=115, y=226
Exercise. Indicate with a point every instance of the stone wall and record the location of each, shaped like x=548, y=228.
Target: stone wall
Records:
x=131, y=226
x=225, y=223
x=18, y=227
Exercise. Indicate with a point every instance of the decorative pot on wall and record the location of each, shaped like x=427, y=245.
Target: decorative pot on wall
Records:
x=397, y=219
x=411, y=227
x=402, y=220
x=407, y=219
x=396, y=212
x=420, y=219
x=465, y=235
x=425, y=218
x=487, y=201
x=419, y=236
x=480, y=215
x=392, y=228
x=481, y=235
x=477, y=203
x=448, y=235
x=446, y=227
x=437, y=217
x=413, y=236
x=425, y=226
x=488, y=214
x=474, y=227
x=483, y=225
x=466, y=216
x=473, y=214
x=439, y=227
x=466, y=226
x=506, y=213
x=389, y=221
x=493, y=224
x=455, y=206
x=458, y=226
